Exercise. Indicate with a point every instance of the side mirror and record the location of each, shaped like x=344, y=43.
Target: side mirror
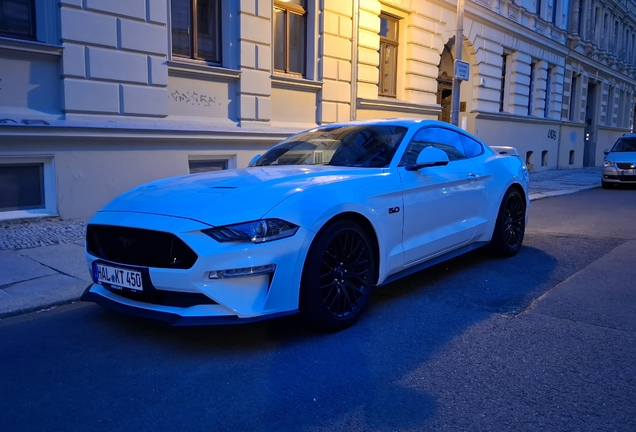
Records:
x=254, y=159
x=429, y=157
x=606, y=152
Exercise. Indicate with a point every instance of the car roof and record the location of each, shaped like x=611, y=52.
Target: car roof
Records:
x=406, y=122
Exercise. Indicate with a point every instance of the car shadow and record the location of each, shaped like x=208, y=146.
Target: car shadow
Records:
x=278, y=374
x=354, y=376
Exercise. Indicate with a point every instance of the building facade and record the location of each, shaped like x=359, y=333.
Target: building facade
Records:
x=98, y=96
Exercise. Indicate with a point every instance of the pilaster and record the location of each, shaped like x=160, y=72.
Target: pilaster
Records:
x=255, y=47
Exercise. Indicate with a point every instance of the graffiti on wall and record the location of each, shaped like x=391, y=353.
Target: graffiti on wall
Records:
x=193, y=98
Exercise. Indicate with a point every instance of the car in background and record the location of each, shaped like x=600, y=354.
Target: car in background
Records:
x=311, y=226
x=619, y=165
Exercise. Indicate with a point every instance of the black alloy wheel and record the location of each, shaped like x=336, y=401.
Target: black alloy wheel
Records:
x=338, y=276
x=510, y=225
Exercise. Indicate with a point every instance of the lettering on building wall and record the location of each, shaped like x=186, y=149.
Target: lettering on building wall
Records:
x=194, y=98
x=552, y=134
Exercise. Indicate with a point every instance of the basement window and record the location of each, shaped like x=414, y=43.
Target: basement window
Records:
x=27, y=188
x=206, y=165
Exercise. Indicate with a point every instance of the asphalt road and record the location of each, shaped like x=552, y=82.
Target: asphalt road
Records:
x=544, y=341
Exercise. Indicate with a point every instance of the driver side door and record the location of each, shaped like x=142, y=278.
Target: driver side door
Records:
x=442, y=204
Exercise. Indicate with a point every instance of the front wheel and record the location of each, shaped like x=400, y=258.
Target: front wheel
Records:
x=510, y=225
x=338, y=275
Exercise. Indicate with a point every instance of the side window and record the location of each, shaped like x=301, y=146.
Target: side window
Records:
x=472, y=148
x=443, y=139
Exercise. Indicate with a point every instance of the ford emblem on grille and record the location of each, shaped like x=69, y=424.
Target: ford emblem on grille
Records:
x=126, y=241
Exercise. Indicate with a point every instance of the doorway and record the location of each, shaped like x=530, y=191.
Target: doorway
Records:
x=591, y=126
x=445, y=82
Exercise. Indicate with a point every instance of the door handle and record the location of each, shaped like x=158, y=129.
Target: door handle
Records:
x=472, y=177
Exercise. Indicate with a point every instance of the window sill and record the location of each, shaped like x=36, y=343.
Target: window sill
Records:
x=25, y=214
x=294, y=82
x=197, y=67
x=26, y=46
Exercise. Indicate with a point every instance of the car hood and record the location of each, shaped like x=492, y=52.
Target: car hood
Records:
x=621, y=156
x=229, y=196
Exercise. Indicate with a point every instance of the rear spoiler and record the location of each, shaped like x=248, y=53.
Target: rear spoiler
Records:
x=506, y=150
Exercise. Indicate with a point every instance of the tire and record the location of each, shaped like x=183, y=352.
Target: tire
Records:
x=339, y=273
x=510, y=225
x=606, y=185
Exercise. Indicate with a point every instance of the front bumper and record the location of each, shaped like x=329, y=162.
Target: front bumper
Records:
x=199, y=315
x=191, y=296
x=611, y=175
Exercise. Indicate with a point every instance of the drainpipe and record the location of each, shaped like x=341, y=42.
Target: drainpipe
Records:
x=459, y=44
x=354, y=60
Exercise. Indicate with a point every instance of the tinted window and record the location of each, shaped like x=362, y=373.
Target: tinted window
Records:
x=360, y=146
x=472, y=148
x=443, y=139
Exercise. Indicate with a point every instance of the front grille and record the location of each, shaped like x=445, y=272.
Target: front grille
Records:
x=139, y=247
x=624, y=165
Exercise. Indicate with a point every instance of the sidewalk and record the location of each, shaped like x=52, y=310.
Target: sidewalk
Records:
x=42, y=262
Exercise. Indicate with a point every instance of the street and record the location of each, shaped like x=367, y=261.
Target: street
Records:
x=543, y=341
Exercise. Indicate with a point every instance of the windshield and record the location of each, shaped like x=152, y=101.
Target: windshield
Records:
x=625, y=145
x=359, y=146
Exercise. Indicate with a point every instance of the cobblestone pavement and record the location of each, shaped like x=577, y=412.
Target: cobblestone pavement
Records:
x=31, y=233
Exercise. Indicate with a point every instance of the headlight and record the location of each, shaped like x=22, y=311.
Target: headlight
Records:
x=607, y=163
x=259, y=231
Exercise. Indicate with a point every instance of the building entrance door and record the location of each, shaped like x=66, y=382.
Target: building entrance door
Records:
x=591, y=126
x=445, y=83
x=444, y=96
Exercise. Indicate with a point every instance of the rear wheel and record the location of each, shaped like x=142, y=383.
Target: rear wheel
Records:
x=339, y=273
x=510, y=225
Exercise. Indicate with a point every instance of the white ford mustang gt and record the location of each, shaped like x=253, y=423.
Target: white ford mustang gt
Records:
x=311, y=226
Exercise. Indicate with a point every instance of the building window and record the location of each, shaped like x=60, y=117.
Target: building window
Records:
x=548, y=93
x=388, y=55
x=573, y=95
x=531, y=90
x=555, y=8
x=290, y=32
x=610, y=107
x=206, y=165
x=27, y=187
x=502, y=93
x=17, y=19
x=615, y=47
x=22, y=186
x=196, y=29
x=538, y=7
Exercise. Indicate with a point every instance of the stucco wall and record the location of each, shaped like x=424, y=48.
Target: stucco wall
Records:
x=92, y=169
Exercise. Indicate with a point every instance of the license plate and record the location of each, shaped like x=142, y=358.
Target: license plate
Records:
x=118, y=278
x=629, y=172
